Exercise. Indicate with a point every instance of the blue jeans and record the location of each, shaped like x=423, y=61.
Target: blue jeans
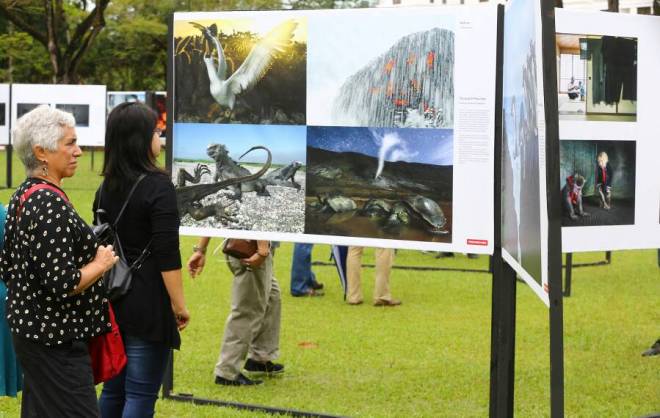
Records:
x=302, y=277
x=133, y=393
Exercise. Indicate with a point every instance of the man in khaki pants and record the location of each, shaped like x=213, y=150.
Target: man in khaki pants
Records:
x=253, y=326
x=384, y=260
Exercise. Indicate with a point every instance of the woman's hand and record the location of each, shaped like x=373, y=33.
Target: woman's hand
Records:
x=105, y=257
x=182, y=317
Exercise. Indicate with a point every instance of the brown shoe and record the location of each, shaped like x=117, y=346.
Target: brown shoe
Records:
x=390, y=302
x=358, y=302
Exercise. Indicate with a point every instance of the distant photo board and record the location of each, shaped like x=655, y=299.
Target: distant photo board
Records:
x=85, y=102
x=118, y=97
x=4, y=114
x=610, y=131
x=386, y=143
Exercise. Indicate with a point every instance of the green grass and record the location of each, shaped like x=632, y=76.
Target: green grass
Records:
x=431, y=356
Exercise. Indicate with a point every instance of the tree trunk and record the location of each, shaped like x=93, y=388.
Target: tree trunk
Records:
x=65, y=49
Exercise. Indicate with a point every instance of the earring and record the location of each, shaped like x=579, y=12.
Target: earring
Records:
x=44, y=168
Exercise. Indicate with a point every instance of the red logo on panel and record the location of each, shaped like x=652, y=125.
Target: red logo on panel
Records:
x=482, y=242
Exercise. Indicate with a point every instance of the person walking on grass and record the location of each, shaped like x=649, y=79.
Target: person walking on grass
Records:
x=252, y=329
x=303, y=279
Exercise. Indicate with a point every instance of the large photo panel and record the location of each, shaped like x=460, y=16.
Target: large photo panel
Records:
x=377, y=123
x=609, y=137
x=4, y=114
x=524, y=203
x=85, y=102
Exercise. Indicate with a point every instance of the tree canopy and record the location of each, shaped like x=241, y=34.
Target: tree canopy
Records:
x=119, y=43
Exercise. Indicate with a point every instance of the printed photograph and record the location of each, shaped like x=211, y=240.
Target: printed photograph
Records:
x=118, y=97
x=598, y=182
x=23, y=108
x=250, y=71
x=160, y=106
x=247, y=177
x=382, y=70
x=380, y=183
x=3, y=114
x=597, y=77
x=79, y=111
x=521, y=210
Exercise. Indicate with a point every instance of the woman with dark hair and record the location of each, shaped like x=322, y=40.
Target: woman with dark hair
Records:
x=153, y=311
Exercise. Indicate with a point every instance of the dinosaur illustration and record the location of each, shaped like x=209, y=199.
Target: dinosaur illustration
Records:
x=188, y=197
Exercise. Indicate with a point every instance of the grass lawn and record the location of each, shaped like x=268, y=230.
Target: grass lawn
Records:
x=429, y=357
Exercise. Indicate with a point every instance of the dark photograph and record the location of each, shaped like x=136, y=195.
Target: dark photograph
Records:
x=243, y=71
x=79, y=111
x=521, y=198
x=597, y=77
x=2, y=114
x=380, y=183
x=23, y=108
x=598, y=182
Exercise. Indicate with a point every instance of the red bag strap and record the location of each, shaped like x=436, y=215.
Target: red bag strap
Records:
x=34, y=188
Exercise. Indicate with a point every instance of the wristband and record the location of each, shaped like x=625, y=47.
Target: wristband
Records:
x=197, y=248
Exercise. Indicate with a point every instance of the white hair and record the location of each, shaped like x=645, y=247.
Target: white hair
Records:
x=42, y=126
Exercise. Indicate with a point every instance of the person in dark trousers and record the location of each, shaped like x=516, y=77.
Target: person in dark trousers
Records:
x=303, y=279
x=52, y=265
x=153, y=311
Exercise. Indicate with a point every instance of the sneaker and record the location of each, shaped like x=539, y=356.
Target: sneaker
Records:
x=258, y=367
x=390, y=302
x=654, y=350
x=317, y=286
x=239, y=381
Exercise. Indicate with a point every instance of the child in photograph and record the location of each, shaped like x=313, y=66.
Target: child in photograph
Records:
x=604, y=180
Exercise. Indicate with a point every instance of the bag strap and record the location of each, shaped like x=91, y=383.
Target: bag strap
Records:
x=146, y=251
x=128, y=198
x=35, y=187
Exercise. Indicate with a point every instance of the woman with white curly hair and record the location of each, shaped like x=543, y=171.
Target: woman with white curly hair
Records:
x=52, y=264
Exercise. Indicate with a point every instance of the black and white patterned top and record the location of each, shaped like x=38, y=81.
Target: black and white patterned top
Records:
x=45, y=247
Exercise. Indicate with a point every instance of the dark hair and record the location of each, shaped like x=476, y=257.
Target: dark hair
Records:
x=128, y=135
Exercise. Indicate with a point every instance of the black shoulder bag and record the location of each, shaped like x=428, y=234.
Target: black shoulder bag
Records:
x=119, y=278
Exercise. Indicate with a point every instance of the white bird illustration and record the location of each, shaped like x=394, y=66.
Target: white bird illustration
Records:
x=225, y=90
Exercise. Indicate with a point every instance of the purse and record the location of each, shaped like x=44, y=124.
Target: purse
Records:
x=119, y=278
x=240, y=248
x=107, y=353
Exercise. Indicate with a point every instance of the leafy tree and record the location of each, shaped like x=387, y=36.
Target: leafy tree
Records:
x=66, y=29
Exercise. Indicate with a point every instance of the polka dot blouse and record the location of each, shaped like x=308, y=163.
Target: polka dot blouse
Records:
x=45, y=247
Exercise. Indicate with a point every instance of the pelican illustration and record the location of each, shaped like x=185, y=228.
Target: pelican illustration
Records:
x=224, y=90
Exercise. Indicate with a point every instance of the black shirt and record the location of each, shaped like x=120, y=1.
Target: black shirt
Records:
x=145, y=311
x=45, y=247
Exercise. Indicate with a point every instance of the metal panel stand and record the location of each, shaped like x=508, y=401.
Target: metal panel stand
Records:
x=503, y=338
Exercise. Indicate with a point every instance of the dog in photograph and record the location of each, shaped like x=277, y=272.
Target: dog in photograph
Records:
x=572, y=196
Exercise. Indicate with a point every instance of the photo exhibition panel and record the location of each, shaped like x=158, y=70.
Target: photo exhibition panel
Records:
x=4, y=114
x=85, y=102
x=608, y=91
x=369, y=127
x=523, y=195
